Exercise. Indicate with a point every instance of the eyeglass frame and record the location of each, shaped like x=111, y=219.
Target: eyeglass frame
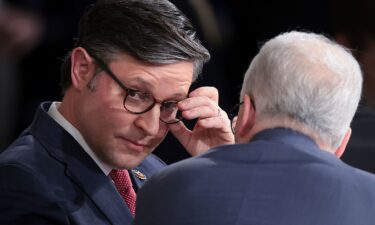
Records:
x=108, y=71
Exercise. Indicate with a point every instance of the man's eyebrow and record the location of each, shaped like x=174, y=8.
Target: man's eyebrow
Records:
x=176, y=96
x=142, y=81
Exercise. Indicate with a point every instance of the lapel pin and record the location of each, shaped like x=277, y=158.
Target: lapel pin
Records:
x=139, y=174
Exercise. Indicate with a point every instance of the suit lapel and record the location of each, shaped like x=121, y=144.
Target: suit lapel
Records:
x=101, y=191
x=80, y=168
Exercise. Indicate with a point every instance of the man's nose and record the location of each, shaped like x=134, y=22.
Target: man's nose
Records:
x=150, y=121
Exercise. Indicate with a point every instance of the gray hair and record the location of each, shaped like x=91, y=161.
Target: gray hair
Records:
x=307, y=81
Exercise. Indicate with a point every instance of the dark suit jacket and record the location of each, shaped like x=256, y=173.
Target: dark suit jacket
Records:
x=280, y=178
x=47, y=178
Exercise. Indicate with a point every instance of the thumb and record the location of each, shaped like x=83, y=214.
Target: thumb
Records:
x=181, y=132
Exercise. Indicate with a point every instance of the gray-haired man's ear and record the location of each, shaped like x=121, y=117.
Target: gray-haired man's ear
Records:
x=245, y=121
x=340, y=150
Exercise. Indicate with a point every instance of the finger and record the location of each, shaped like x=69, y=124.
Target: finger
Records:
x=216, y=123
x=202, y=112
x=181, y=132
x=197, y=102
x=210, y=92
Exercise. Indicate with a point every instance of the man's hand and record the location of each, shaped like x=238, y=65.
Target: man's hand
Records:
x=213, y=125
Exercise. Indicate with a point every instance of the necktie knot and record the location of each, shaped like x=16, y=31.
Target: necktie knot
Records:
x=124, y=186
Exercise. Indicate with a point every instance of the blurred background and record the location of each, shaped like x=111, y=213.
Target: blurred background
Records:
x=36, y=34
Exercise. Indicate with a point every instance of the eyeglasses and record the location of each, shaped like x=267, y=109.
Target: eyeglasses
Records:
x=138, y=102
x=233, y=112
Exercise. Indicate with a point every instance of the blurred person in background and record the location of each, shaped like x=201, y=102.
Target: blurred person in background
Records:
x=46, y=31
x=354, y=27
x=20, y=33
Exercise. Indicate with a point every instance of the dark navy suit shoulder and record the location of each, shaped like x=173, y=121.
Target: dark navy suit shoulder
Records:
x=47, y=178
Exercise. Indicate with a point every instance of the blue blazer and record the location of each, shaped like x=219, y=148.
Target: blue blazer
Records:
x=280, y=178
x=47, y=178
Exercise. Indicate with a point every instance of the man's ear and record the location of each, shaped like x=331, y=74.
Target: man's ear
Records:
x=247, y=117
x=340, y=150
x=82, y=69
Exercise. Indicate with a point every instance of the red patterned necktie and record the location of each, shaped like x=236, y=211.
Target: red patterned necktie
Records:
x=124, y=186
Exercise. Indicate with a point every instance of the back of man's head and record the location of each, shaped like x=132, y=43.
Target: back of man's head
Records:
x=306, y=82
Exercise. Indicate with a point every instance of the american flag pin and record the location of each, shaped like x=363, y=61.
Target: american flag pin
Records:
x=139, y=174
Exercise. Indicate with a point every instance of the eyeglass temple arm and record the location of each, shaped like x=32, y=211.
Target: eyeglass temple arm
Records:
x=107, y=70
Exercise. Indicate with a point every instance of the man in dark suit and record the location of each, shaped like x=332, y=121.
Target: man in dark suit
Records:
x=298, y=98
x=125, y=85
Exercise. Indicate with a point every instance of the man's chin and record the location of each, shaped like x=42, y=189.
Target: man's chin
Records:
x=129, y=161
